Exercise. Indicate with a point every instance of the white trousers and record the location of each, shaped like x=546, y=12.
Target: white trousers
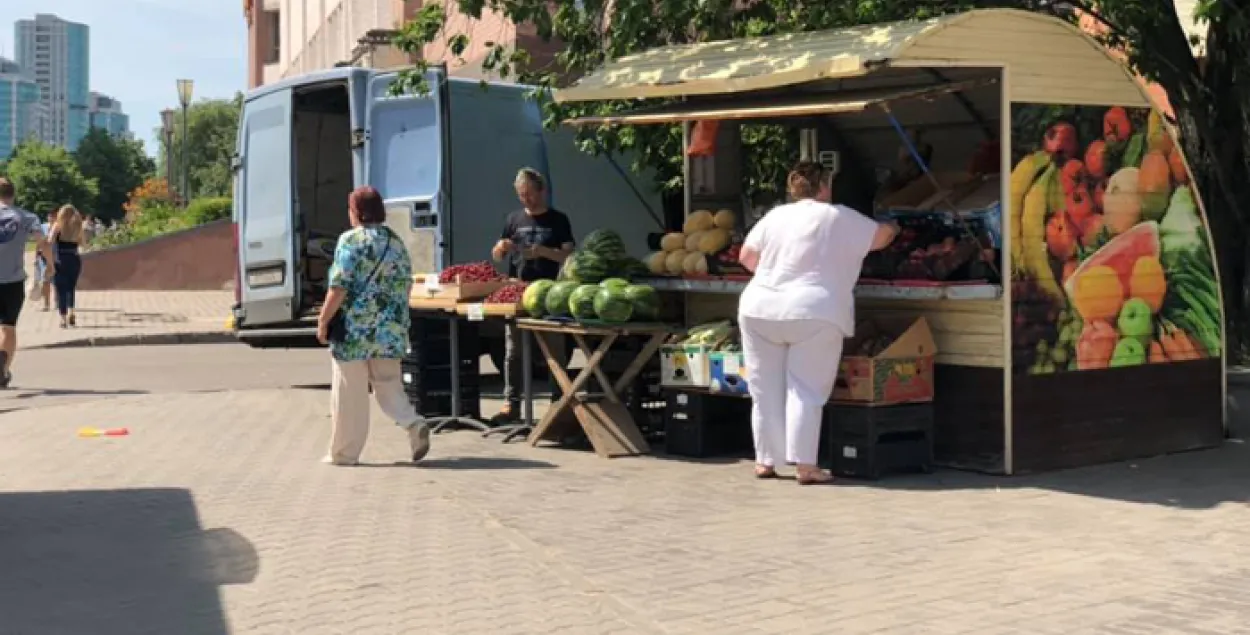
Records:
x=791, y=368
x=349, y=403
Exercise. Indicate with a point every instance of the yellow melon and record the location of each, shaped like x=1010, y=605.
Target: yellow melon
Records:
x=674, y=260
x=656, y=263
x=713, y=241
x=692, y=241
x=725, y=219
x=701, y=220
x=694, y=263
x=673, y=241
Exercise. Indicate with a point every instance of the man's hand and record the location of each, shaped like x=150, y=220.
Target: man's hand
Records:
x=501, y=249
x=534, y=252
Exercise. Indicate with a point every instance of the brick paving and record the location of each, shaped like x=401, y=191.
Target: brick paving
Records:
x=215, y=516
x=110, y=316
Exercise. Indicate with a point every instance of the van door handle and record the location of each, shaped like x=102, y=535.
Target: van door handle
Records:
x=256, y=244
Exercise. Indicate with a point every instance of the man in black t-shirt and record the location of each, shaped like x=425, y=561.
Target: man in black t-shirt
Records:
x=535, y=241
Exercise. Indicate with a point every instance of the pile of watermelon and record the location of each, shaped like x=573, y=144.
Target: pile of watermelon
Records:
x=602, y=256
x=614, y=301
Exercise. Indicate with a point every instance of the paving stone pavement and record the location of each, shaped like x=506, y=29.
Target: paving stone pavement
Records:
x=214, y=516
x=110, y=317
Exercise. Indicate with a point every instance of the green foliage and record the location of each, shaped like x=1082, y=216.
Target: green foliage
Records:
x=636, y=25
x=212, y=132
x=117, y=165
x=207, y=210
x=46, y=177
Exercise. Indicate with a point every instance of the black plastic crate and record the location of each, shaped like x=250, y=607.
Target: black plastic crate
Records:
x=440, y=406
x=869, y=442
x=438, y=378
x=702, y=425
x=427, y=352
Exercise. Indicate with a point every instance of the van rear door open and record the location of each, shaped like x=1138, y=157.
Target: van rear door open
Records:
x=406, y=149
x=265, y=211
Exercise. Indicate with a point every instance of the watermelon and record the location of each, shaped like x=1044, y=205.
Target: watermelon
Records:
x=558, y=299
x=534, y=300
x=582, y=301
x=612, y=305
x=634, y=268
x=568, y=270
x=588, y=268
x=646, y=301
x=614, y=283
x=606, y=244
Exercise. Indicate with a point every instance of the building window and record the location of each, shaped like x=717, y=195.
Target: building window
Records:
x=271, y=21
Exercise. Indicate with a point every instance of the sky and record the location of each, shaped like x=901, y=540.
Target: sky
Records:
x=139, y=48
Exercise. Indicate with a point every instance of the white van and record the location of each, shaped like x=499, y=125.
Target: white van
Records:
x=444, y=163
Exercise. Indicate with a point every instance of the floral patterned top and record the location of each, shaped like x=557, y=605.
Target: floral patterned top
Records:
x=376, y=314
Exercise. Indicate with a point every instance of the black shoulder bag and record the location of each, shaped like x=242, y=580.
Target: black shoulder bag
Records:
x=337, y=328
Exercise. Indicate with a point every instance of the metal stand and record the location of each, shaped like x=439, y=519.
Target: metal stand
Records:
x=438, y=424
x=521, y=429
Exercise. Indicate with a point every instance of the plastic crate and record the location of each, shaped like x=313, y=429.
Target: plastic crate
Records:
x=868, y=442
x=701, y=425
x=438, y=378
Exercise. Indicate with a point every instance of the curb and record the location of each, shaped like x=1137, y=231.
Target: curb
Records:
x=141, y=339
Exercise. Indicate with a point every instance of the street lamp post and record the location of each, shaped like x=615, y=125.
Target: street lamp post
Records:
x=185, y=89
x=167, y=132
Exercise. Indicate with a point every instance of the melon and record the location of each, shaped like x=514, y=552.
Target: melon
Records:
x=713, y=241
x=612, y=305
x=655, y=263
x=693, y=240
x=1120, y=254
x=674, y=260
x=558, y=299
x=694, y=263
x=673, y=241
x=701, y=220
x=1121, y=203
x=582, y=302
x=605, y=244
x=646, y=301
x=586, y=267
x=534, y=300
x=725, y=219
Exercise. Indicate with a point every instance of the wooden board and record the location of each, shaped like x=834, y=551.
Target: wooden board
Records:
x=581, y=328
x=490, y=310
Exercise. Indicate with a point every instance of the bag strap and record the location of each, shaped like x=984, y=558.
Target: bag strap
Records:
x=381, y=258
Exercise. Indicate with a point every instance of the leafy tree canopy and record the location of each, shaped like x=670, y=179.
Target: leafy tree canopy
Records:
x=212, y=132
x=117, y=165
x=46, y=177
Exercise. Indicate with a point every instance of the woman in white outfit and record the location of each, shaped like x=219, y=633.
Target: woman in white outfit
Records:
x=796, y=312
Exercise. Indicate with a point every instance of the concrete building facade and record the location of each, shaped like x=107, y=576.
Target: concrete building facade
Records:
x=291, y=37
x=21, y=113
x=106, y=113
x=55, y=53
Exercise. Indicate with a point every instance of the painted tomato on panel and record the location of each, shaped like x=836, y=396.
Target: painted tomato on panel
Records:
x=1111, y=262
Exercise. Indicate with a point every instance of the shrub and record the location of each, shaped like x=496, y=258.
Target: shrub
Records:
x=207, y=210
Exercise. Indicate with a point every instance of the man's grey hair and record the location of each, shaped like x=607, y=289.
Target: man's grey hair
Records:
x=531, y=177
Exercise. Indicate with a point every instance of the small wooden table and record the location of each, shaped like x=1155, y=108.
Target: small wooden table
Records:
x=602, y=415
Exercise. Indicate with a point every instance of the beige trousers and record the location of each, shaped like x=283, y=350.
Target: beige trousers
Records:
x=349, y=404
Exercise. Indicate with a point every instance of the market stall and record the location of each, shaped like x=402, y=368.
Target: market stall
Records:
x=1055, y=273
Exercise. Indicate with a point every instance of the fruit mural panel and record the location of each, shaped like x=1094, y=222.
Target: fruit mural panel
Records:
x=1111, y=263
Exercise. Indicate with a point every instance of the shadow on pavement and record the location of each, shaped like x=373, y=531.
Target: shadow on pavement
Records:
x=1202, y=479
x=23, y=392
x=115, y=561
x=470, y=463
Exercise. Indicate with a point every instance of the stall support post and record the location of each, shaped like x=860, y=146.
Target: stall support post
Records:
x=442, y=423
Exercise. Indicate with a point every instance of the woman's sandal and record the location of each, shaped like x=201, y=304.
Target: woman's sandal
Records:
x=765, y=471
x=816, y=477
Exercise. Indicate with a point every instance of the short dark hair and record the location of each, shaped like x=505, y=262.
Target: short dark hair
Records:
x=367, y=203
x=6, y=189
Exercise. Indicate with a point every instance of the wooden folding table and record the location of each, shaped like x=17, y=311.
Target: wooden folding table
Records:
x=601, y=414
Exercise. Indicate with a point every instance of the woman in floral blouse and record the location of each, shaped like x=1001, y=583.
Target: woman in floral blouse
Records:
x=370, y=281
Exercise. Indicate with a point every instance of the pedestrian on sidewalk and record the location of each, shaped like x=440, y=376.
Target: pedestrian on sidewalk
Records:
x=42, y=289
x=66, y=236
x=365, y=321
x=16, y=227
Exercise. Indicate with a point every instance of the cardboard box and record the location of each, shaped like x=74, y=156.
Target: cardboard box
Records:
x=685, y=366
x=427, y=286
x=727, y=372
x=902, y=373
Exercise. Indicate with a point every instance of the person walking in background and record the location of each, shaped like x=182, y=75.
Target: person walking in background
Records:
x=42, y=289
x=66, y=237
x=535, y=241
x=365, y=321
x=16, y=227
x=795, y=314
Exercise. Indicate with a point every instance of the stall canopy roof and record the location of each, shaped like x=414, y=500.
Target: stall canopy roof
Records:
x=1050, y=61
x=750, y=64
x=766, y=107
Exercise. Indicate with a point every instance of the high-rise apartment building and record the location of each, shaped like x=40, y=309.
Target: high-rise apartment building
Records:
x=55, y=53
x=20, y=110
x=106, y=113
